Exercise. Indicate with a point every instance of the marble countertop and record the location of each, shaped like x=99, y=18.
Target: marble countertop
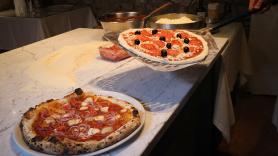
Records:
x=160, y=92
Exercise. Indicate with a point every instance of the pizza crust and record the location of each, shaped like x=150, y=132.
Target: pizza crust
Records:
x=197, y=58
x=52, y=145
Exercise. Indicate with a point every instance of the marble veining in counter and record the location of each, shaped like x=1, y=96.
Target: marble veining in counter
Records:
x=160, y=92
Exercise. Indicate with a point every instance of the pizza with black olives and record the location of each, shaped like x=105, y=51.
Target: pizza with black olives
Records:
x=79, y=123
x=166, y=46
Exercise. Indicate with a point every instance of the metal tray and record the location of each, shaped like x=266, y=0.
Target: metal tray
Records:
x=120, y=21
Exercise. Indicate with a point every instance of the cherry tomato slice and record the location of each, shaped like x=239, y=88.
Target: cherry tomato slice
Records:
x=143, y=38
x=173, y=52
x=177, y=42
x=146, y=33
x=160, y=44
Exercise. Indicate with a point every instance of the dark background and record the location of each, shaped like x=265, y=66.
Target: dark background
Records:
x=99, y=7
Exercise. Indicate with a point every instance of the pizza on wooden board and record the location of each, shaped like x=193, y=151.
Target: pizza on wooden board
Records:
x=79, y=123
x=165, y=46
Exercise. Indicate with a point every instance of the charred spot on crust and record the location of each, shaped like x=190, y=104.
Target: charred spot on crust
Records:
x=21, y=125
x=98, y=146
x=110, y=137
x=66, y=151
x=31, y=109
x=80, y=152
x=27, y=113
x=37, y=138
x=49, y=100
x=37, y=148
x=86, y=150
x=78, y=91
x=135, y=113
x=53, y=139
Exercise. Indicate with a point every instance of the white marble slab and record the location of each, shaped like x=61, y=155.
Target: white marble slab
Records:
x=161, y=92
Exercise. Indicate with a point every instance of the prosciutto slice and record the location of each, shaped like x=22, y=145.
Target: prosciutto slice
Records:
x=113, y=52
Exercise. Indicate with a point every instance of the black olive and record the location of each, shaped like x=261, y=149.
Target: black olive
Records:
x=135, y=112
x=162, y=38
x=163, y=52
x=137, y=42
x=169, y=45
x=137, y=32
x=154, y=31
x=78, y=91
x=186, y=49
x=186, y=40
x=178, y=35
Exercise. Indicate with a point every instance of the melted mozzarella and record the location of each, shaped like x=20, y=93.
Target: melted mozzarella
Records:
x=123, y=110
x=93, y=131
x=104, y=109
x=49, y=120
x=74, y=122
x=117, y=116
x=99, y=118
x=106, y=130
x=83, y=108
x=89, y=118
x=87, y=101
x=56, y=116
x=176, y=47
x=84, y=103
x=66, y=115
x=63, y=101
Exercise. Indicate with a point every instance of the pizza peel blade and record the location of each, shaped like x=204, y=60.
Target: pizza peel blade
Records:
x=112, y=37
x=165, y=67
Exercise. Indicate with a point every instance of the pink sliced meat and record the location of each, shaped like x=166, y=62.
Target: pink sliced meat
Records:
x=113, y=53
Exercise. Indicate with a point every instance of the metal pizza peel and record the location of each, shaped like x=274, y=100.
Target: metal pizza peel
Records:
x=204, y=32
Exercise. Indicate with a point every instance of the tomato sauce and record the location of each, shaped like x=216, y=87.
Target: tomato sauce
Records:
x=154, y=44
x=51, y=123
x=173, y=52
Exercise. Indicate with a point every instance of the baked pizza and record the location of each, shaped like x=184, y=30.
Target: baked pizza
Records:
x=165, y=46
x=79, y=123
